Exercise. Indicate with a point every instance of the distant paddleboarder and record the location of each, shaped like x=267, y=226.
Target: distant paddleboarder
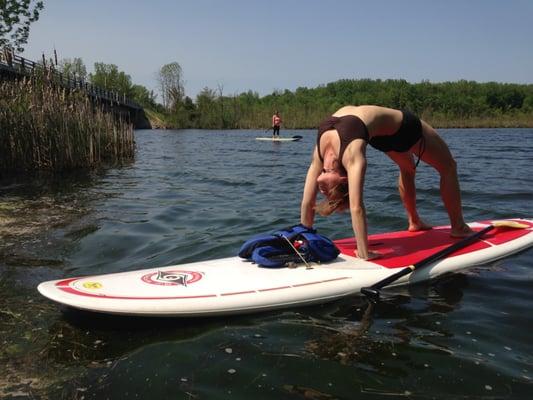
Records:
x=276, y=125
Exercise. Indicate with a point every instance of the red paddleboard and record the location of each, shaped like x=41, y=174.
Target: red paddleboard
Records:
x=406, y=248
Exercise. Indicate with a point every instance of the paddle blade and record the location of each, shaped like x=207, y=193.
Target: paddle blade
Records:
x=509, y=224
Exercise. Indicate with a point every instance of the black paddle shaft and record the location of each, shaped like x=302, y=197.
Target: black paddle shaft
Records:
x=372, y=291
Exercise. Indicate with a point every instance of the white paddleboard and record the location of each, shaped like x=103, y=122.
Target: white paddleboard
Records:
x=278, y=139
x=233, y=285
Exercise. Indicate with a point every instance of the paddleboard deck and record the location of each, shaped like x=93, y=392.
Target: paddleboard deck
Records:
x=233, y=285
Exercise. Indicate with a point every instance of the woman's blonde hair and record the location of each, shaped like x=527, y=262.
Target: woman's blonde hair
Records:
x=337, y=200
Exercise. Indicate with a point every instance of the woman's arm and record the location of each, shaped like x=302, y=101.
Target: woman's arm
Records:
x=307, y=208
x=355, y=164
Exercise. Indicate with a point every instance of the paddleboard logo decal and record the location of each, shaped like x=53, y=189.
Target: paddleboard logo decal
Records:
x=92, y=285
x=172, y=278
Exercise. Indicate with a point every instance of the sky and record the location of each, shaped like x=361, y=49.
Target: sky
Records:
x=268, y=45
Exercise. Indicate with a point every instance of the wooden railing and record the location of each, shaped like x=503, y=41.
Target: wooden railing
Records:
x=15, y=64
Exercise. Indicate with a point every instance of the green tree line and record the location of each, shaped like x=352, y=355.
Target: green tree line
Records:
x=446, y=104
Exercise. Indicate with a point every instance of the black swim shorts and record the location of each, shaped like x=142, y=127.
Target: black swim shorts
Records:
x=409, y=133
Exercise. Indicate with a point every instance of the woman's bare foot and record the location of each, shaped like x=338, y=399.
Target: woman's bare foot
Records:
x=461, y=231
x=418, y=226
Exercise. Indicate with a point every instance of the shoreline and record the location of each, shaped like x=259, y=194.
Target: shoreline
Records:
x=505, y=121
x=436, y=126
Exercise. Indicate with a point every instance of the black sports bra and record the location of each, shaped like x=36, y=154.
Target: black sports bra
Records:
x=349, y=128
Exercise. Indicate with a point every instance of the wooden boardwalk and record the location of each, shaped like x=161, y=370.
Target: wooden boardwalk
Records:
x=13, y=65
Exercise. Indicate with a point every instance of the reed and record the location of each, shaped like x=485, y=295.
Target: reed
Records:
x=46, y=127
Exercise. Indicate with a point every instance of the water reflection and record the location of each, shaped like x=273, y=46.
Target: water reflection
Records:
x=368, y=331
x=41, y=216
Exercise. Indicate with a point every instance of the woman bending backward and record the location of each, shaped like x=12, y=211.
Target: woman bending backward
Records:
x=338, y=167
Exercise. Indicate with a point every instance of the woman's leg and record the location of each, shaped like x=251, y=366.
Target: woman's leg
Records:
x=438, y=155
x=407, y=189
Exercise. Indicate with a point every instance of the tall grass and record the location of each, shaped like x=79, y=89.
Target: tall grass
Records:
x=46, y=127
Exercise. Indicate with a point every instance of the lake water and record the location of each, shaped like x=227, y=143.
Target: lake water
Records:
x=194, y=195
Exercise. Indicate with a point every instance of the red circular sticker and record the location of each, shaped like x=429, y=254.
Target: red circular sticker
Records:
x=172, y=278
